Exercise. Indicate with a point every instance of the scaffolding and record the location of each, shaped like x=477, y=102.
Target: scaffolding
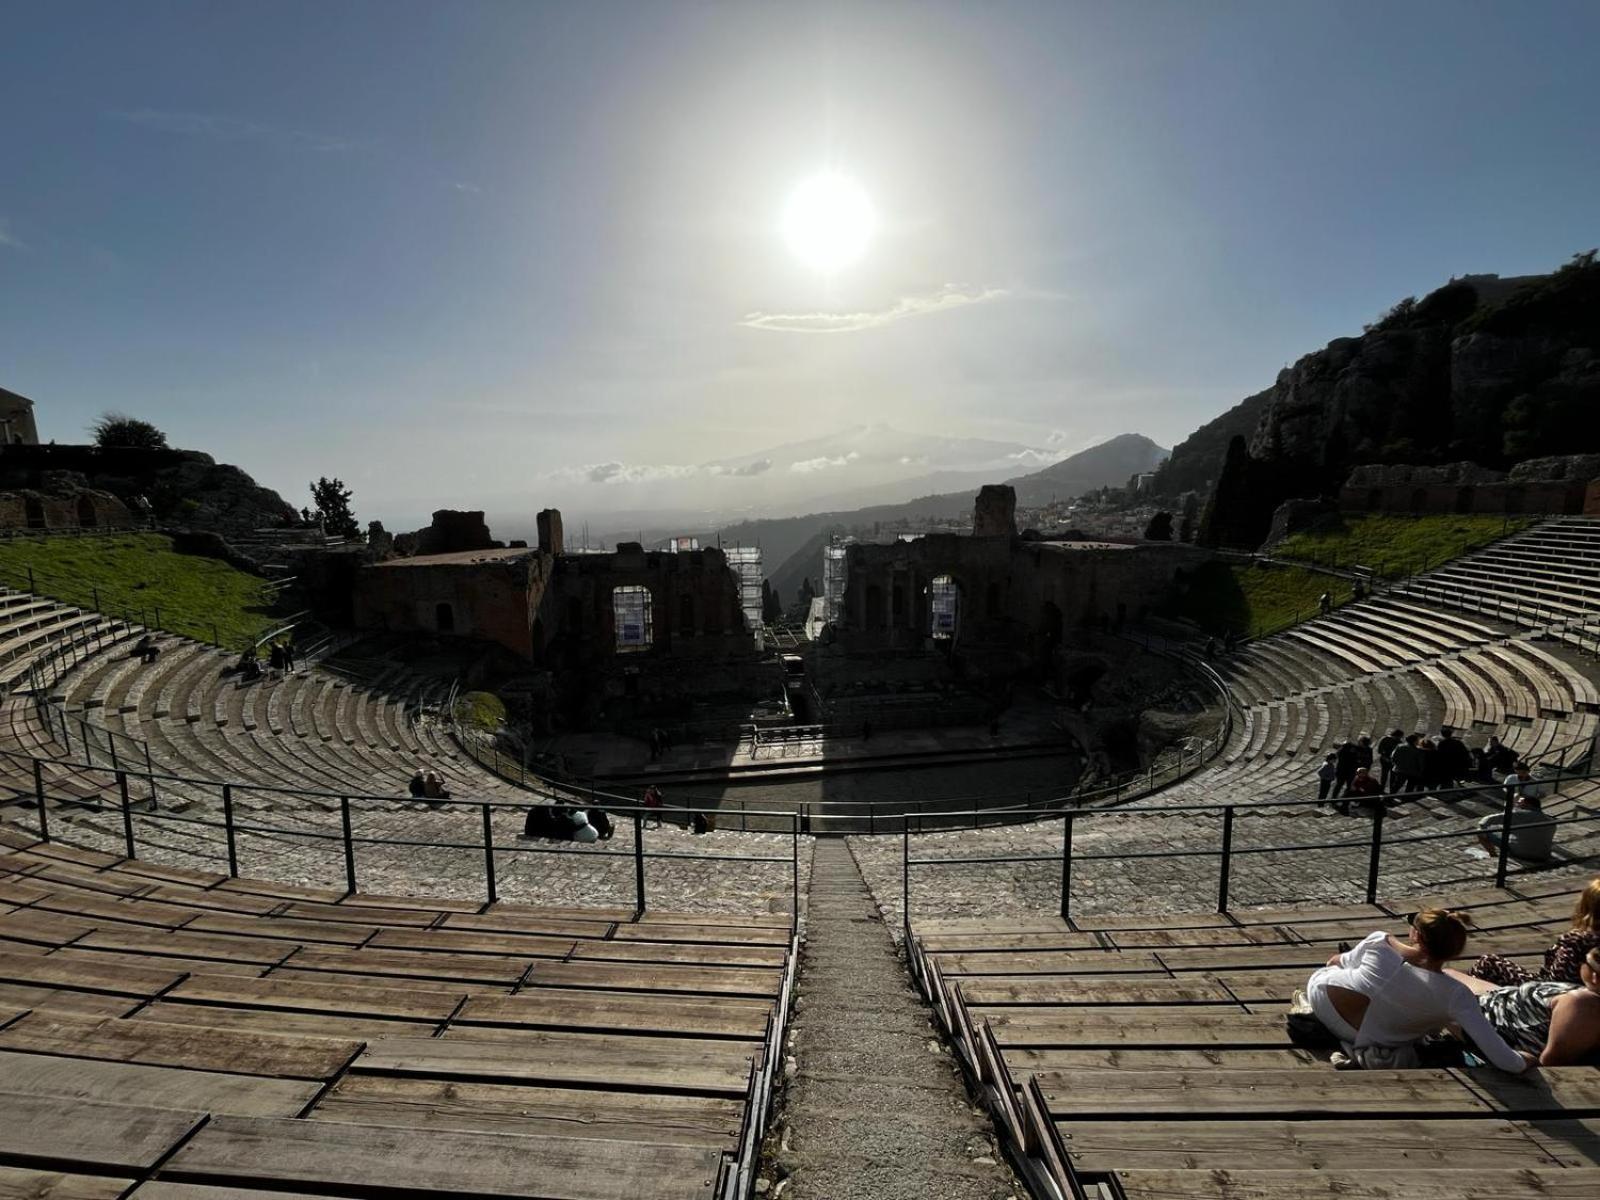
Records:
x=833, y=579
x=745, y=562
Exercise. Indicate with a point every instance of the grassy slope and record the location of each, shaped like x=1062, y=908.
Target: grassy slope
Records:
x=1250, y=600
x=1395, y=546
x=142, y=571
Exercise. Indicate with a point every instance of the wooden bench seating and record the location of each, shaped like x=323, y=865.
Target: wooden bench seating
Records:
x=1158, y=1064
x=190, y=1035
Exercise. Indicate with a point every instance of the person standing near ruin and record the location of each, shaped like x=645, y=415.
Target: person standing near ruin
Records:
x=1387, y=745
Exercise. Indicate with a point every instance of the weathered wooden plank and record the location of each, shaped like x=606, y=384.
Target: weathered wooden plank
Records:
x=1573, y=1143
x=1183, y=1028
x=59, y=874
x=278, y=1020
x=141, y=868
x=42, y=928
x=9, y=947
x=152, y=1087
x=414, y=964
x=1063, y=962
x=14, y=891
x=1085, y=989
x=114, y=961
x=647, y=977
x=333, y=1155
x=272, y=991
x=1251, y=935
x=1530, y=1183
x=364, y=914
x=471, y=942
x=1255, y=986
x=23, y=1183
x=1006, y=939
x=75, y=1133
x=548, y=1057
x=1304, y=914
x=1306, y=958
x=1281, y=1145
x=98, y=907
x=1322, y=1095
x=712, y=920
x=649, y=930
x=424, y=904
x=20, y=997
x=84, y=975
x=694, y=953
x=1187, y=920
x=1015, y=923
x=501, y=921
x=179, y=943
x=215, y=900
x=1072, y=1063
x=1536, y=1093
x=619, y=1012
x=158, y=1044
x=284, y=928
x=517, y=1108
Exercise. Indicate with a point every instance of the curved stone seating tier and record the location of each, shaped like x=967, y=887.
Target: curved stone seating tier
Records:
x=177, y=1034
x=1151, y=1056
x=1551, y=570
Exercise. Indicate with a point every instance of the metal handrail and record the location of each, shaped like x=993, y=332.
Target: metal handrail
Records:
x=1225, y=853
x=231, y=826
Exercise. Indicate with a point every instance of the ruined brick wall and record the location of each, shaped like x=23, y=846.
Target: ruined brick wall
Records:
x=497, y=600
x=995, y=512
x=888, y=590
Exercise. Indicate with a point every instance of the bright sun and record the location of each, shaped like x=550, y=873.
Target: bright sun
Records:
x=828, y=222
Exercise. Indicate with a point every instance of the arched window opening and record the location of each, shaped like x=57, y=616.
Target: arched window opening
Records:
x=944, y=606
x=631, y=615
x=444, y=618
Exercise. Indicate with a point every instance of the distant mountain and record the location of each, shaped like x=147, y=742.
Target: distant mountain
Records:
x=1109, y=464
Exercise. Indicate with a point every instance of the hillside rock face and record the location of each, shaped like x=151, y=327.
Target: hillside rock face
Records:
x=1483, y=372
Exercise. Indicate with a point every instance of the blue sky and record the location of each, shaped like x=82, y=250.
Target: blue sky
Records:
x=463, y=253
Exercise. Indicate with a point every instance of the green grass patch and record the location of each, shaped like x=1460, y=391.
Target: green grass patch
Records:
x=141, y=573
x=1394, y=547
x=481, y=710
x=1251, y=599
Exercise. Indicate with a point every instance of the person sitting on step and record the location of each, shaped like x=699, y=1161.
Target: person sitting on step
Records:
x=1383, y=995
x=1563, y=960
x=419, y=786
x=1531, y=835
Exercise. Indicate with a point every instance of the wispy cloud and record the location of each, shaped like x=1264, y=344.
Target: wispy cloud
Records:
x=807, y=466
x=945, y=299
x=620, y=472
x=1038, y=458
x=218, y=128
x=461, y=185
x=9, y=239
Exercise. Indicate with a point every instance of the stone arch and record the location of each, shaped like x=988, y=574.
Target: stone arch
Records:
x=444, y=617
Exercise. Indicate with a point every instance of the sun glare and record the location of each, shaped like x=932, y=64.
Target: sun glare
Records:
x=828, y=222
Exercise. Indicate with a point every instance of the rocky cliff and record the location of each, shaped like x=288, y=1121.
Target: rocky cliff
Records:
x=1484, y=370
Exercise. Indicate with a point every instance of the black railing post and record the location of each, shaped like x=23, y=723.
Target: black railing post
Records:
x=127, y=814
x=227, y=824
x=155, y=800
x=1376, y=855
x=1066, y=868
x=38, y=796
x=95, y=589
x=349, y=847
x=1501, y=861
x=638, y=862
x=488, y=856
x=905, y=881
x=1227, y=859
x=794, y=872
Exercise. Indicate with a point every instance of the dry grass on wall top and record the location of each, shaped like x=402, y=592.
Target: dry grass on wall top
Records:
x=139, y=573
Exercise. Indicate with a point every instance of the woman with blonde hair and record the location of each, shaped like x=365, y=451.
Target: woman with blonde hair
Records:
x=1563, y=962
x=1383, y=995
